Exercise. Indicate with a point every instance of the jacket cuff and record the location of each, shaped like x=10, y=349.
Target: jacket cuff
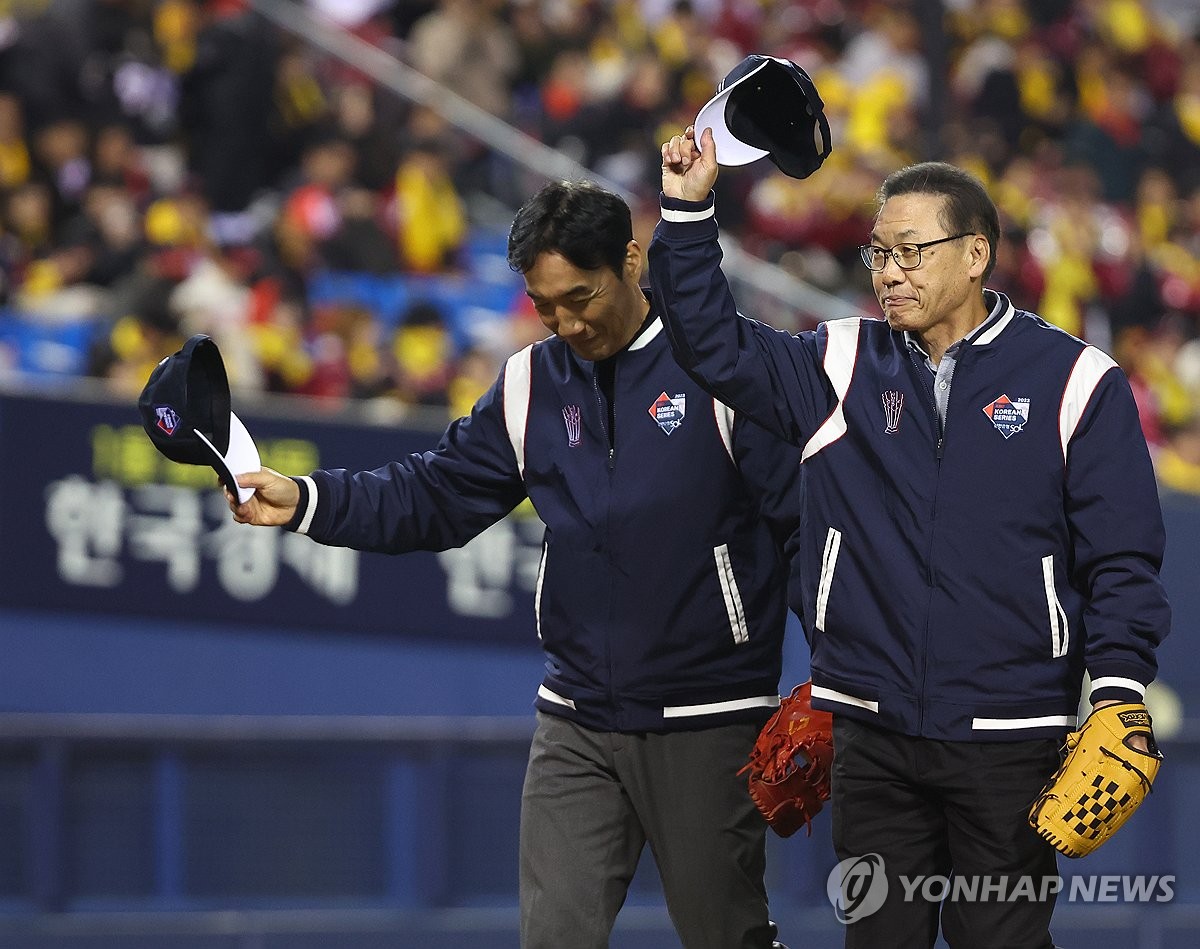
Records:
x=306, y=507
x=679, y=211
x=1119, y=685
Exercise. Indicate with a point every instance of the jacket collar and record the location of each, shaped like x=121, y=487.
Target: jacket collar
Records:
x=649, y=333
x=1000, y=314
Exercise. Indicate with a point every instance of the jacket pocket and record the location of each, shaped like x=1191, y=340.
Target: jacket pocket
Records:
x=733, y=596
x=537, y=590
x=833, y=544
x=1060, y=632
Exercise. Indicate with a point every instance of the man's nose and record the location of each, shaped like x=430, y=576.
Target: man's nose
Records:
x=892, y=272
x=569, y=327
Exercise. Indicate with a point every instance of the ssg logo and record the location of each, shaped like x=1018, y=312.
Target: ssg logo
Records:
x=668, y=412
x=893, y=405
x=572, y=418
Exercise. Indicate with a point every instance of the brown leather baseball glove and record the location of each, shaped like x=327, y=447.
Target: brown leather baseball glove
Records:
x=789, y=765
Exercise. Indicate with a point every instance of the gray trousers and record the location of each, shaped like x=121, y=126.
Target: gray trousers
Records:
x=593, y=800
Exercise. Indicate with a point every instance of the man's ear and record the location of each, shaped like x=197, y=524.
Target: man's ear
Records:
x=634, y=259
x=981, y=255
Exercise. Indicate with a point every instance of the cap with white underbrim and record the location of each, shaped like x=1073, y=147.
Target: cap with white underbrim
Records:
x=186, y=411
x=767, y=107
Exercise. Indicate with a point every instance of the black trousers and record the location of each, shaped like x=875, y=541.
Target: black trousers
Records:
x=952, y=811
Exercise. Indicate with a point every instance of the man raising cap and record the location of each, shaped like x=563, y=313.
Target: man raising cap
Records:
x=982, y=526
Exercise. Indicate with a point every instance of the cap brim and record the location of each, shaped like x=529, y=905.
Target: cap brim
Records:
x=731, y=150
x=241, y=458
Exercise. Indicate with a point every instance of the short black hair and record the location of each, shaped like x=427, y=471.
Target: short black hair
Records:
x=587, y=225
x=968, y=207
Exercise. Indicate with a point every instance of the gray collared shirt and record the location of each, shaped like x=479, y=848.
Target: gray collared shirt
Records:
x=944, y=370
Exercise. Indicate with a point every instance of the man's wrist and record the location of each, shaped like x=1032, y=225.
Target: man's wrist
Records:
x=683, y=211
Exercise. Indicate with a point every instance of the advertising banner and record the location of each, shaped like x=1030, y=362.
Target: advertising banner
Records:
x=94, y=519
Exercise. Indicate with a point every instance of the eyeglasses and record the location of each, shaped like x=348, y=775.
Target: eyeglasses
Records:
x=907, y=256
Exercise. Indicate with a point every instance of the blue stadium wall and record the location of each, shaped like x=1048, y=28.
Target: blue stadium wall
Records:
x=219, y=737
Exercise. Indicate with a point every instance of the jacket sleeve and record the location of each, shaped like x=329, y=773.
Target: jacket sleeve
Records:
x=767, y=374
x=430, y=500
x=1118, y=538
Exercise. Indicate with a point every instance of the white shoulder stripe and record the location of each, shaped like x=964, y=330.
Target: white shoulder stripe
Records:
x=1089, y=369
x=517, y=383
x=841, y=351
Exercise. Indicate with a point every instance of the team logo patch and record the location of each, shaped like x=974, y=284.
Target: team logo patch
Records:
x=668, y=412
x=893, y=405
x=1008, y=415
x=168, y=420
x=571, y=418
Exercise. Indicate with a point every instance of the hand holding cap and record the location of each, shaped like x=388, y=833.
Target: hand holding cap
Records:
x=186, y=411
x=768, y=107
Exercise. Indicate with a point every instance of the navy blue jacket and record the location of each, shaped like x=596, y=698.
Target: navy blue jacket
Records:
x=956, y=580
x=661, y=594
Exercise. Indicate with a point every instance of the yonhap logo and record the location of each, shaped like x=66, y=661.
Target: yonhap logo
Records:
x=857, y=887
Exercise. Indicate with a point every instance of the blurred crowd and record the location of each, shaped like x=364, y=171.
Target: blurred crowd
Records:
x=178, y=166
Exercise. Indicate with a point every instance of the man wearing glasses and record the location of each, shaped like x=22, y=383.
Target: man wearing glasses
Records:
x=984, y=527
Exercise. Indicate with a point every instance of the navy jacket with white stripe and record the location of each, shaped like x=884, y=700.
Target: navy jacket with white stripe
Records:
x=956, y=580
x=661, y=595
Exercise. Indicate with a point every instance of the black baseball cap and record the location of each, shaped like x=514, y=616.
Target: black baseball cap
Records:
x=187, y=412
x=768, y=107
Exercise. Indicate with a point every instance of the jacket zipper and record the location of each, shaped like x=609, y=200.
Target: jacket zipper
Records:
x=937, y=416
x=930, y=572
x=608, y=435
x=941, y=444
